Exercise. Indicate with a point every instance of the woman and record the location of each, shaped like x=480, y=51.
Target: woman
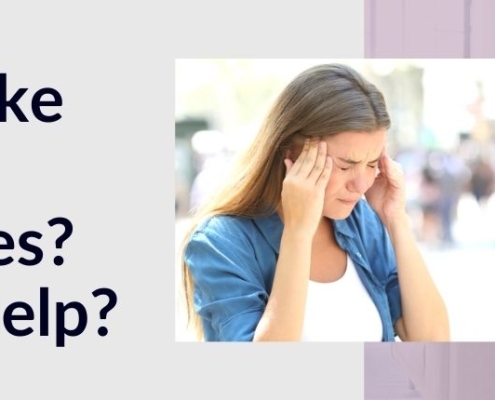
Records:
x=310, y=241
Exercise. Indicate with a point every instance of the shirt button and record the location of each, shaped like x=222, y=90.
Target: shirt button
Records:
x=358, y=254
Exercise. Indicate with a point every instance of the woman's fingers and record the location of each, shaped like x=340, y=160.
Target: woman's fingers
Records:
x=288, y=164
x=305, y=162
x=392, y=170
x=299, y=161
x=313, y=164
x=326, y=172
x=311, y=161
x=320, y=160
x=310, y=154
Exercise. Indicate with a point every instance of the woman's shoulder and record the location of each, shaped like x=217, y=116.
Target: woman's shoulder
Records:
x=236, y=229
x=223, y=223
x=224, y=227
x=235, y=237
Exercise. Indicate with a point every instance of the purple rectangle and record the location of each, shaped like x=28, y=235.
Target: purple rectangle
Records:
x=429, y=28
x=428, y=370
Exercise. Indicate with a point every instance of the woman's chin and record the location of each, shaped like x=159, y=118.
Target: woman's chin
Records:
x=338, y=213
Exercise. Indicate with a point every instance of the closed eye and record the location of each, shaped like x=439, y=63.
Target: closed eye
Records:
x=348, y=168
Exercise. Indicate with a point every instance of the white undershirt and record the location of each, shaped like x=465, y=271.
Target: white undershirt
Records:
x=341, y=311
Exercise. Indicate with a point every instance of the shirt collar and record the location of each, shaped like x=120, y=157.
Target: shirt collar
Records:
x=342, y=226
x=271, y=228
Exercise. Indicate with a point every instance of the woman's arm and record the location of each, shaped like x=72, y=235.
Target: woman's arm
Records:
x=424, y=314
x=302, y=207
x=284, y=314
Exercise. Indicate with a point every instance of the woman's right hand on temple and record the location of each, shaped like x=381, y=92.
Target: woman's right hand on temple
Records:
x=303, y=189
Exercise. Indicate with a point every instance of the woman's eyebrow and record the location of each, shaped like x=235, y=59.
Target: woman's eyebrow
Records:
x=348, y=160
x=353, y=162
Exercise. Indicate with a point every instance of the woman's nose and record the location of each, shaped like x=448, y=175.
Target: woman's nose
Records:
x=360, y=182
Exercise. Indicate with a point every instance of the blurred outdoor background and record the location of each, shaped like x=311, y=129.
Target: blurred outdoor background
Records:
x=443, y=133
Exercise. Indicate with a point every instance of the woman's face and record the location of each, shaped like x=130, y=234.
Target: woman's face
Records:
x=355, y=162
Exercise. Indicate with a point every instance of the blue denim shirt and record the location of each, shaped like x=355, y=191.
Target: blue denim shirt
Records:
x=233, y=259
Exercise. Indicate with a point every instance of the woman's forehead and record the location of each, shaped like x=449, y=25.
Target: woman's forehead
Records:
x=357, y=146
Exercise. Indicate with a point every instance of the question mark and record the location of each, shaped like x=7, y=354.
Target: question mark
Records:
x=112, y=300
x=59, y=260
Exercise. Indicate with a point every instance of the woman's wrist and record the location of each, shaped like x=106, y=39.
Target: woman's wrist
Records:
x=398, y=223
x=297, y=237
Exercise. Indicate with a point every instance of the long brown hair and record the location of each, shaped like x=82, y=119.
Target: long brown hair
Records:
x=322, y=100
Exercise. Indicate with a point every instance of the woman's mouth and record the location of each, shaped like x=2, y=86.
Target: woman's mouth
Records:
x=348, y=201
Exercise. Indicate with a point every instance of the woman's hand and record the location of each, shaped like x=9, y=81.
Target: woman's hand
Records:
x=303, y=190
x=387, y=195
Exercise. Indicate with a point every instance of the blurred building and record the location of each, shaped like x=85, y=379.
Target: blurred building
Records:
x=186, y=168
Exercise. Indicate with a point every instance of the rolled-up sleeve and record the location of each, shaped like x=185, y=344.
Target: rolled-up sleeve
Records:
x=377, y=243
x=392, y=284
x=229, y=292
x=393, y=294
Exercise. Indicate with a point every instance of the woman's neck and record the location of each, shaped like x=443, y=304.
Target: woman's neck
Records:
x=324, y=233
